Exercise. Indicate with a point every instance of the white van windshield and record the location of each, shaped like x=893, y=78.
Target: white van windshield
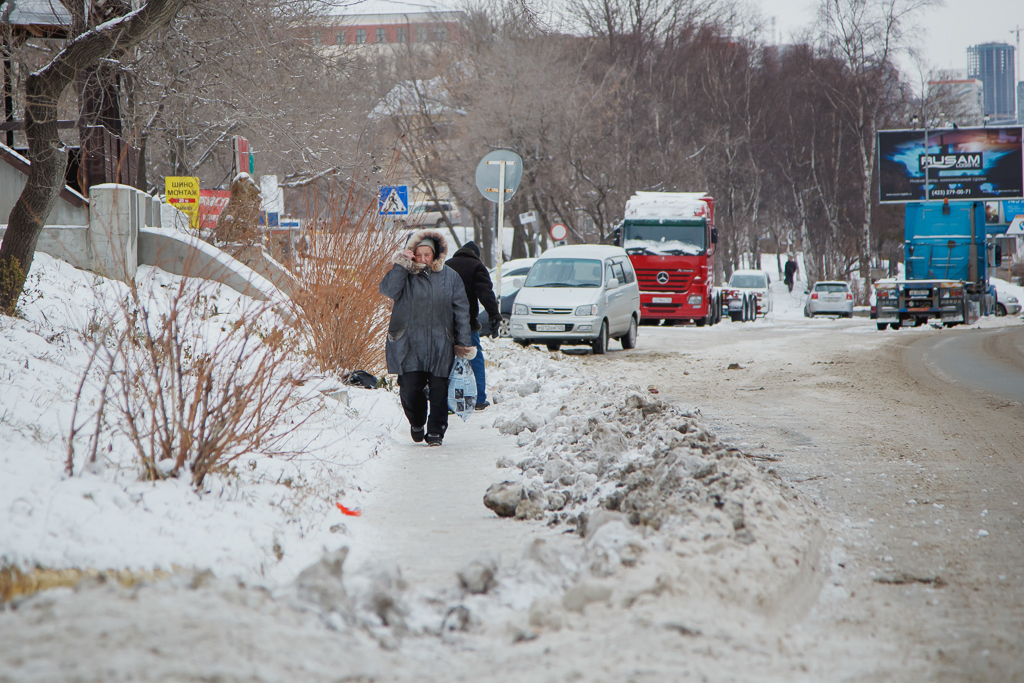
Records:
x=565, y=272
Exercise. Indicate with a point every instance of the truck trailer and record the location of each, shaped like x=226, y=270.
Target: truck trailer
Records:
x=947, y=275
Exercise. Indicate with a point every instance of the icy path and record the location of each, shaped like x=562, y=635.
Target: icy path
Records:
x=423, y=507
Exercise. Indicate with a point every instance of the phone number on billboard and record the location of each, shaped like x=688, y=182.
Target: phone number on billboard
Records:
x=961, y=192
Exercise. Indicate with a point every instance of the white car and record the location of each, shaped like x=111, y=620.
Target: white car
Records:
x=429, y=214
x=512, y=275
x=830, y=298
x=578, y=295
x=748, y=285
x=517, y=268
x=1007, y=299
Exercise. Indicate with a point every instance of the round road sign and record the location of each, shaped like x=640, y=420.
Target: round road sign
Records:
x=488, y=173
x=559, y=232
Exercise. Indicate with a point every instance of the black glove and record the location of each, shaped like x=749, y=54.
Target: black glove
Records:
x=495, y=326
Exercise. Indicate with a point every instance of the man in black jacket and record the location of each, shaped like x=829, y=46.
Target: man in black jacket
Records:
x=466, y=262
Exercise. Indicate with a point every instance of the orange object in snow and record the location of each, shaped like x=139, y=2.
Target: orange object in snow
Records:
x=350, y=513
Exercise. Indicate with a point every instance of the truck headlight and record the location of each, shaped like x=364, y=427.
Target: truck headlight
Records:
x=694, y=299
x=520, y=309
x=589, y=309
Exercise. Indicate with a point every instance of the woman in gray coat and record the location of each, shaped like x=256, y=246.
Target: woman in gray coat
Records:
x=429, y=325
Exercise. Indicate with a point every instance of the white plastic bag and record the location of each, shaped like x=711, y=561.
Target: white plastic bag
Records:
x=461, y=389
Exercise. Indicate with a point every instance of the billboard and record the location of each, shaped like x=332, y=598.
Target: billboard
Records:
x=954, y=164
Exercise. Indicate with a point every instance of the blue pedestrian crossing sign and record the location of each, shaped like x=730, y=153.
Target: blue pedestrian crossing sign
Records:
x=393, y=200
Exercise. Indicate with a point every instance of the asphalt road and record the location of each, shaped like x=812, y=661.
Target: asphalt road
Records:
x=989, y=361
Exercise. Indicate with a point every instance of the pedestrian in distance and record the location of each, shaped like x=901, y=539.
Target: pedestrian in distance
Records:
x=479, y=290
x=429, y=326
x=790, y=272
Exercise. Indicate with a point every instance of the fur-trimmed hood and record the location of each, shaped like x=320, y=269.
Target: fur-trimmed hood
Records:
x=413, y=242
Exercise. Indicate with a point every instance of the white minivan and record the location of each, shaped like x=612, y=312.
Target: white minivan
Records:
x=578, y=295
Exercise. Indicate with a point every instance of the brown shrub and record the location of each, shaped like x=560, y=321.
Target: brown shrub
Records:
x=339, y=308
x=238, y=223
x=189, y=395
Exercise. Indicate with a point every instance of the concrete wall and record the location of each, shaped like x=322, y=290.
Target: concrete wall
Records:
x=183, y=254
x=121, y=228
x=66, y=242
x=115, y=215
x=263, y=263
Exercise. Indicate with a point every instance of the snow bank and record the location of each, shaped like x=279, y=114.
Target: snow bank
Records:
x=646, y=485
x=266, y=524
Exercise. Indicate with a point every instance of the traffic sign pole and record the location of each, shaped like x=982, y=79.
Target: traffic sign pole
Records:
x=501, y=224
x=510, y=171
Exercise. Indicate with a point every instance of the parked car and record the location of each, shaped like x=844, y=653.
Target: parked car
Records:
x=578, y=295
x=429, y=214
x=512, y=272
x=1007, y=302
x=748, y=295
x=832, y=297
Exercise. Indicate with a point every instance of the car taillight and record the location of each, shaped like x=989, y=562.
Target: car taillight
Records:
x=849, y=296
x=760, y=294
x=814, y=295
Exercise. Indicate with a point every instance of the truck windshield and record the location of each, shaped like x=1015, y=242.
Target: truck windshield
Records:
x=663, y=237
x=565, y=272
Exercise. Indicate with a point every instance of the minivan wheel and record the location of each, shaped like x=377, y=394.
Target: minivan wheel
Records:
x=629, y=339
x=600, y=345
x=554, y=346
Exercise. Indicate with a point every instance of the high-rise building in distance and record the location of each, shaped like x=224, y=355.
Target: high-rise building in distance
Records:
x=993, y=65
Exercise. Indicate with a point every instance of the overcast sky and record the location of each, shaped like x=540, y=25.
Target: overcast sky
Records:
x=946, y=30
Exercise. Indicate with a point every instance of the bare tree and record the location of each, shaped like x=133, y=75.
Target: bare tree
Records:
x=865, y=35
x=43, y=91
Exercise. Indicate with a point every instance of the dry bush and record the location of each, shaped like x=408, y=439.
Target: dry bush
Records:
x=339, y=308
x=188, y=392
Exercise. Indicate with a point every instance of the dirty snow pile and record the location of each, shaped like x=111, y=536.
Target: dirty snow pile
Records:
x=635, y=475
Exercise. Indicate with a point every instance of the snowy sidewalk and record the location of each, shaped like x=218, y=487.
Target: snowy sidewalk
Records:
x=423, y=507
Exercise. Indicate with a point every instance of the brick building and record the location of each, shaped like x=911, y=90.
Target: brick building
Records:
x=387, y=25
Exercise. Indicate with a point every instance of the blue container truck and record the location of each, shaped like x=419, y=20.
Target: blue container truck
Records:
x=947, y=273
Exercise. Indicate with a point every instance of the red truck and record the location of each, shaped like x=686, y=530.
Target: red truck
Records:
x=670, y=238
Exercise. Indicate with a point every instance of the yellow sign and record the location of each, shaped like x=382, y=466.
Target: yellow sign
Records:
x=183, y=194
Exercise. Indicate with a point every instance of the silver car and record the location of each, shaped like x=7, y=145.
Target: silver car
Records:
x=831, y=297
x=431, y=214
